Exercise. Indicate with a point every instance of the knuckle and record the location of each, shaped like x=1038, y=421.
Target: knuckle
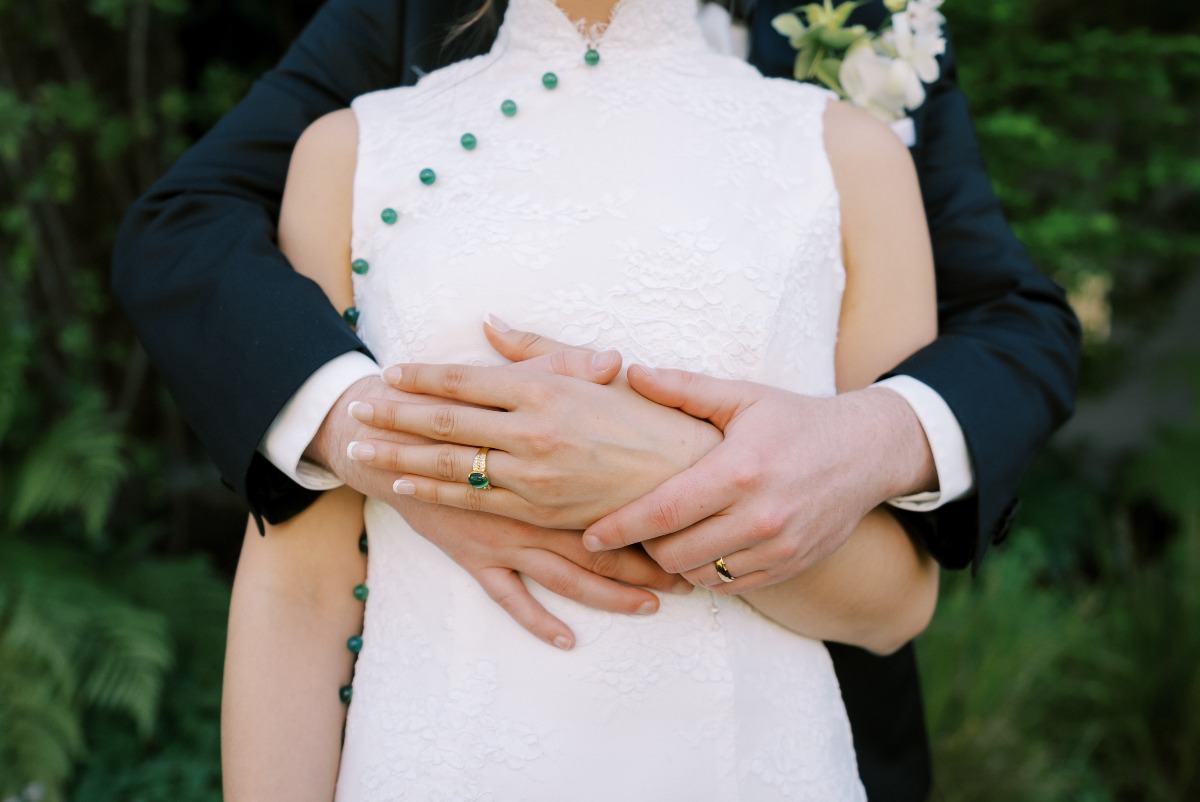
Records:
x=453, y=379
x=745, y=476
x=764, y=525
x=444, y=422
x=444, y=466
x=664, y=515
x=607, y=563
x=528, y=343
x=474, y=500
x=560, y=363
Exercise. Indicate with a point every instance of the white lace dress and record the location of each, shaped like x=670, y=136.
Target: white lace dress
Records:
x=673, y=204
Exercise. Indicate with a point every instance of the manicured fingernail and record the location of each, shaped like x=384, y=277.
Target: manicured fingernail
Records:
x=393, y=375
x=498, y=324
x=592, y=543
x=361, y=411
x=683, y=588
x=403, y=487
x=360, y=452
x=647, y=608
x=604, y=360
x=563, y=643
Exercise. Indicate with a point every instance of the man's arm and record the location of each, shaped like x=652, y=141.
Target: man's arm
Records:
x=1007, y=355
x=233, y=330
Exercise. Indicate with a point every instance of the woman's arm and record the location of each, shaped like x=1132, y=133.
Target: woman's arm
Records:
x=293, y=606
x=286, y=658
x=879, y=589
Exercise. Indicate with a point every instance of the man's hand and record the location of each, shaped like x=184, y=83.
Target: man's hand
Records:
x=490, y=548
x=785, y=488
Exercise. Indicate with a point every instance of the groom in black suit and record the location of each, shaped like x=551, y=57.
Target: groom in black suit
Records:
x=235, y=332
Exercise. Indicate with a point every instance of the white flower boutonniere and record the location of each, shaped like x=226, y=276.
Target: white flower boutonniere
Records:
x=884, y=71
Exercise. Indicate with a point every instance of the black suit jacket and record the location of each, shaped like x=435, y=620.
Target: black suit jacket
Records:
x=235, y=331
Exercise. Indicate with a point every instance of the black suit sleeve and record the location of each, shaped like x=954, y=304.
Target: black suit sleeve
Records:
x=233, y=330
x=1007, y=353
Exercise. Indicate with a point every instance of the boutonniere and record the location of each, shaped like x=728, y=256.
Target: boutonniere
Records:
x=883, y=71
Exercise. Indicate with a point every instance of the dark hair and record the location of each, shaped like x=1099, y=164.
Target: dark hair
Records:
x=479, y=25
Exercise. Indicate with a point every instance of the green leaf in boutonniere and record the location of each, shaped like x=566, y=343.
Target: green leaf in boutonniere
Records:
x=881, y=71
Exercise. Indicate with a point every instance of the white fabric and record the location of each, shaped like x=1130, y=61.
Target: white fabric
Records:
x=296, y=424
x=294, y=428
x=956, y=475
x=668, y=202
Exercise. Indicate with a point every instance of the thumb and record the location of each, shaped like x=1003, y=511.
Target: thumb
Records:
x=518, y=345
x=715, y=400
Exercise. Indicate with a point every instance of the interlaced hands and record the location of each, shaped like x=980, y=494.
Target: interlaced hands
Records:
x=493, y=549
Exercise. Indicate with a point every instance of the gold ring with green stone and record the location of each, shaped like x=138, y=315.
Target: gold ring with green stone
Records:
x=478, y=477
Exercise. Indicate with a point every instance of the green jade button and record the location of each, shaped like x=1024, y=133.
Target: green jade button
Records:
x=592, y=57
x=508, y=108
x=549, y=80
x=360, y=267
x=478, y=481
x=345, y=693
x=355, y=644
x=351, y=316
x=428, y=177
x=362, y=543
x=361, y=592
x=389, y=216
x=469, y=141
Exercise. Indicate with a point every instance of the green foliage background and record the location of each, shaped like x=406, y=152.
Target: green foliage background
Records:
x=1067, y=670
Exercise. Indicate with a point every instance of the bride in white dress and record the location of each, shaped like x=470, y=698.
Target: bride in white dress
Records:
x=625, y=189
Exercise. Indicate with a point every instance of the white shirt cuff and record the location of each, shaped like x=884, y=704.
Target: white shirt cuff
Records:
x=951, y=460
x=297, y=423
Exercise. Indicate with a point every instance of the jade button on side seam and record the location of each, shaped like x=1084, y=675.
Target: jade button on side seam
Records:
x=361, y=592
x=549, y=80
x=355, y=644
x=345, y=694
x=469, y=141
x=360, y=266
x=351, y=316
x=508, y=108
x=428, y=177
x=389, y=216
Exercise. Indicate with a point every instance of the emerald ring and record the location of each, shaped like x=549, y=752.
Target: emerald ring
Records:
x=478, y=477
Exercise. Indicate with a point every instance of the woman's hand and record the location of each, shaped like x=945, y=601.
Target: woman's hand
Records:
x=564, y=452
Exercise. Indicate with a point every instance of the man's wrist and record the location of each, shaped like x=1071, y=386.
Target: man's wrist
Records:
x=900, y=443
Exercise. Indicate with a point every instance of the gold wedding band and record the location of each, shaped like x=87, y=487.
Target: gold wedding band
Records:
x=723, y=570
x=478, y=477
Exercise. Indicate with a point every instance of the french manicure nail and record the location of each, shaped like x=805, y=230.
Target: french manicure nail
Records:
x=393, y=374
x=360, y=452
x=563, y=643
x=403, y=487
x=592, y=543
x=362, y=411
x=647, y=608
x=498, y=324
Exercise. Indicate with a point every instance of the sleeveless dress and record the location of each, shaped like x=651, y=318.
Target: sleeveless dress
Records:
x=665, y=201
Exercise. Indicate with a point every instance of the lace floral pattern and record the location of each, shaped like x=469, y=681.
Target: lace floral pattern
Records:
x=667, y=202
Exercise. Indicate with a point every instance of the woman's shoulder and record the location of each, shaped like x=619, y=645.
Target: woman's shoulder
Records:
x=862, y=147
x=328, y=144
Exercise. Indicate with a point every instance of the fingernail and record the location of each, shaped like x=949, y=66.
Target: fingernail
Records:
x=592, y=543
x=497, y=324
x=647, y=608
x=403, y=487
x=604, y=360
x=650, y=372
x=563, y=643
x=361, y=411
x=683, y=588
x=393, y=375
x=360, y=452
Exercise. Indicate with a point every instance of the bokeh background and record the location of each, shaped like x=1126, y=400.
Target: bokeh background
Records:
x=1068, y=670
